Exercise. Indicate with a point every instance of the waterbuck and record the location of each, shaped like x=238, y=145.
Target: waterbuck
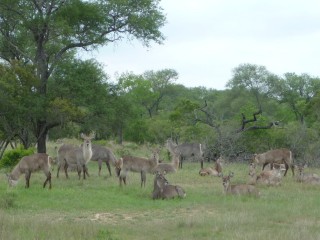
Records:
x=310, y=178
x=103, y=154
x=136, y=164
x=279, y=156
x=70, y=156
x=187, y=150
x=238, y=189
x=268, y=177
x=163, y=190
x=216, y=171
x=169, y=167
x=29, y=164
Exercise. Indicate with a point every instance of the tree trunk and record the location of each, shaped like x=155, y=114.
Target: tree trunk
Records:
x=41, y=136
x=120, y=135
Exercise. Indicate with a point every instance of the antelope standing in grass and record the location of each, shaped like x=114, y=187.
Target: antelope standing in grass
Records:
x=238, y=189
x=310, y=178
x=186, y=150
x=102, y=154
x=70, y=156
x=279, y=156
x=216, y=171
x=136, y=164
x=268, y=177
x=30, y=164
x=163, y=190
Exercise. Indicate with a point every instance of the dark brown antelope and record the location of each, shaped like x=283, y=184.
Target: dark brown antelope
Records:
x=216, y=171
x=102, y=154
x=163, y=190
x=136, y=164
x=70, y=156
x=279, y=156
x=30, y=164
x=238, y=189
x=186, y=150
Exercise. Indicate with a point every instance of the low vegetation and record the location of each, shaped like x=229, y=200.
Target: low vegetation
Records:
x=97, y=208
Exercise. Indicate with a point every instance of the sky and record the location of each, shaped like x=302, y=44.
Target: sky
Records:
x=207, y=39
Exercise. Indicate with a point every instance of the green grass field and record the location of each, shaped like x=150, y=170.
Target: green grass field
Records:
x=97, y=208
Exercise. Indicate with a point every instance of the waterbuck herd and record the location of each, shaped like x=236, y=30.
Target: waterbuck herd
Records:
x=71, y=157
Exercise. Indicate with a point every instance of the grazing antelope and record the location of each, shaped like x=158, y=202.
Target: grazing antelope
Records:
x=163, y=190
x=216, y=171
x=279, y=156
x=187, y=150
x=30, y=164
x=238, y=189
x=70, y=156
x=103, y=154
x=310, y=178
x=136, y=164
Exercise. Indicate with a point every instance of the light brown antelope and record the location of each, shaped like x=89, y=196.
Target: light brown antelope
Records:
x=187, y=150
x=30, y=164
x=279, y=156
x=216, y=171
x=102, y=154
x=268, y=177
x=163, y=190
x=238, y=189
x=169, y=167
x=136, y=164
x=310, y=178
x=70, y=156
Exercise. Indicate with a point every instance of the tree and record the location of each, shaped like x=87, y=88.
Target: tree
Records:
x=256, y=79
x=44, y=33
x=296, y=91
x=148, y=89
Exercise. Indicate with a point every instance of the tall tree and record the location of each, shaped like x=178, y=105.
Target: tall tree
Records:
x=148, y=89
x=296, y=91
x=42, y=33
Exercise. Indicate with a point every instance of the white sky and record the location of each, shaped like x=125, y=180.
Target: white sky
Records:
x=206, y=39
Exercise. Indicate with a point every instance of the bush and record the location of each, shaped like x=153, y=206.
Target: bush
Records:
x=12, y=157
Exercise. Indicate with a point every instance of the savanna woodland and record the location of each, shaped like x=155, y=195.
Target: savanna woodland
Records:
x=48, y=95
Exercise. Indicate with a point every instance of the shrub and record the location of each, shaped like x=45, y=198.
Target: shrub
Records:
x=12, y=157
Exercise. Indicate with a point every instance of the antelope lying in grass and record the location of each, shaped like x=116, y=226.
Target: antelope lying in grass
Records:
x=30, y=164
x=279, y=156
x=70, y=156
x=103, y=154
x=163, y=190
x=216, y=171
x=238, y=189
x=136, y=164
x=268, y=177
x=172, y=167
x=310, y=178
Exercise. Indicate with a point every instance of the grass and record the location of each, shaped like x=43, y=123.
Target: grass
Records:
x=97, y=208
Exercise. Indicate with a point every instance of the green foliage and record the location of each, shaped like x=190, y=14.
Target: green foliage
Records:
x=12, y=157
x=136, y=131
x=49, y=62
